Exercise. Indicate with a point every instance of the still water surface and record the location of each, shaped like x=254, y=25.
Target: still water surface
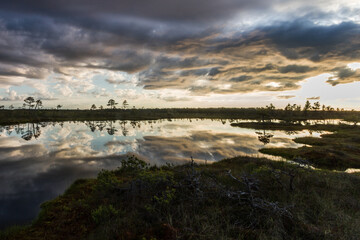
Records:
x=39, y=161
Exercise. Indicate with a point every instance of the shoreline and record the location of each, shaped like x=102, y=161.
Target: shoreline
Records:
x=44, y=115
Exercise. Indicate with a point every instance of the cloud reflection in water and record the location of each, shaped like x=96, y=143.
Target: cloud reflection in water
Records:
x=36, y=169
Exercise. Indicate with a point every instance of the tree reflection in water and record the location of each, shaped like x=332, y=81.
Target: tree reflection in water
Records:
x=30, y=131
x=264, y=137
x=92, y=125
x=27, y=131
x=111, y=128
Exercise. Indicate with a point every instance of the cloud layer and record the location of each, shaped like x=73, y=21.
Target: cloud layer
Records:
x=201, y=47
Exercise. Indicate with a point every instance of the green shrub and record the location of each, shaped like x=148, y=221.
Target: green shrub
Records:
x=107, y=181
x=104, y=213
x=133, y=164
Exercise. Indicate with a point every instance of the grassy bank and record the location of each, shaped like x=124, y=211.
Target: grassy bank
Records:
x=283, y=126
x=26, y=115
x=339, y=150
x=257, y=199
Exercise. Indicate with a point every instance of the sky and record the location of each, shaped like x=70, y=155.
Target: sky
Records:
x=180, y=53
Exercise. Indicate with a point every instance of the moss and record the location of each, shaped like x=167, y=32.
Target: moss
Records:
x=312, y=141
x=204, y=202
x=339, y=150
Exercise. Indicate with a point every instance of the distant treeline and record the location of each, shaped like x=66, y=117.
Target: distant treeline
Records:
x=262, y=114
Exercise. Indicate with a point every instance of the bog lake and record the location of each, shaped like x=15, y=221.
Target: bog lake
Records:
x=38, y=161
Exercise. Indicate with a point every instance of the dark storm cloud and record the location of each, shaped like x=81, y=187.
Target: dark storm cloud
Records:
x=344, y=75
x=295, y=69
x=173, y=44
x=125, y=60
x=29, y=73
x=157, y=9
x=304, y=39
x=302, y=33
x=241, y=78
x=18, y=57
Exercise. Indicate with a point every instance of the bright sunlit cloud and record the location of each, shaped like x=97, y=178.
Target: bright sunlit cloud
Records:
x=354, y=66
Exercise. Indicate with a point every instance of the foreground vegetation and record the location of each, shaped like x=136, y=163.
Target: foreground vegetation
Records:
x=239, y=198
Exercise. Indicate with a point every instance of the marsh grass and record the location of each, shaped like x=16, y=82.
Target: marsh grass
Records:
x=238, y=198
x=339, y=150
